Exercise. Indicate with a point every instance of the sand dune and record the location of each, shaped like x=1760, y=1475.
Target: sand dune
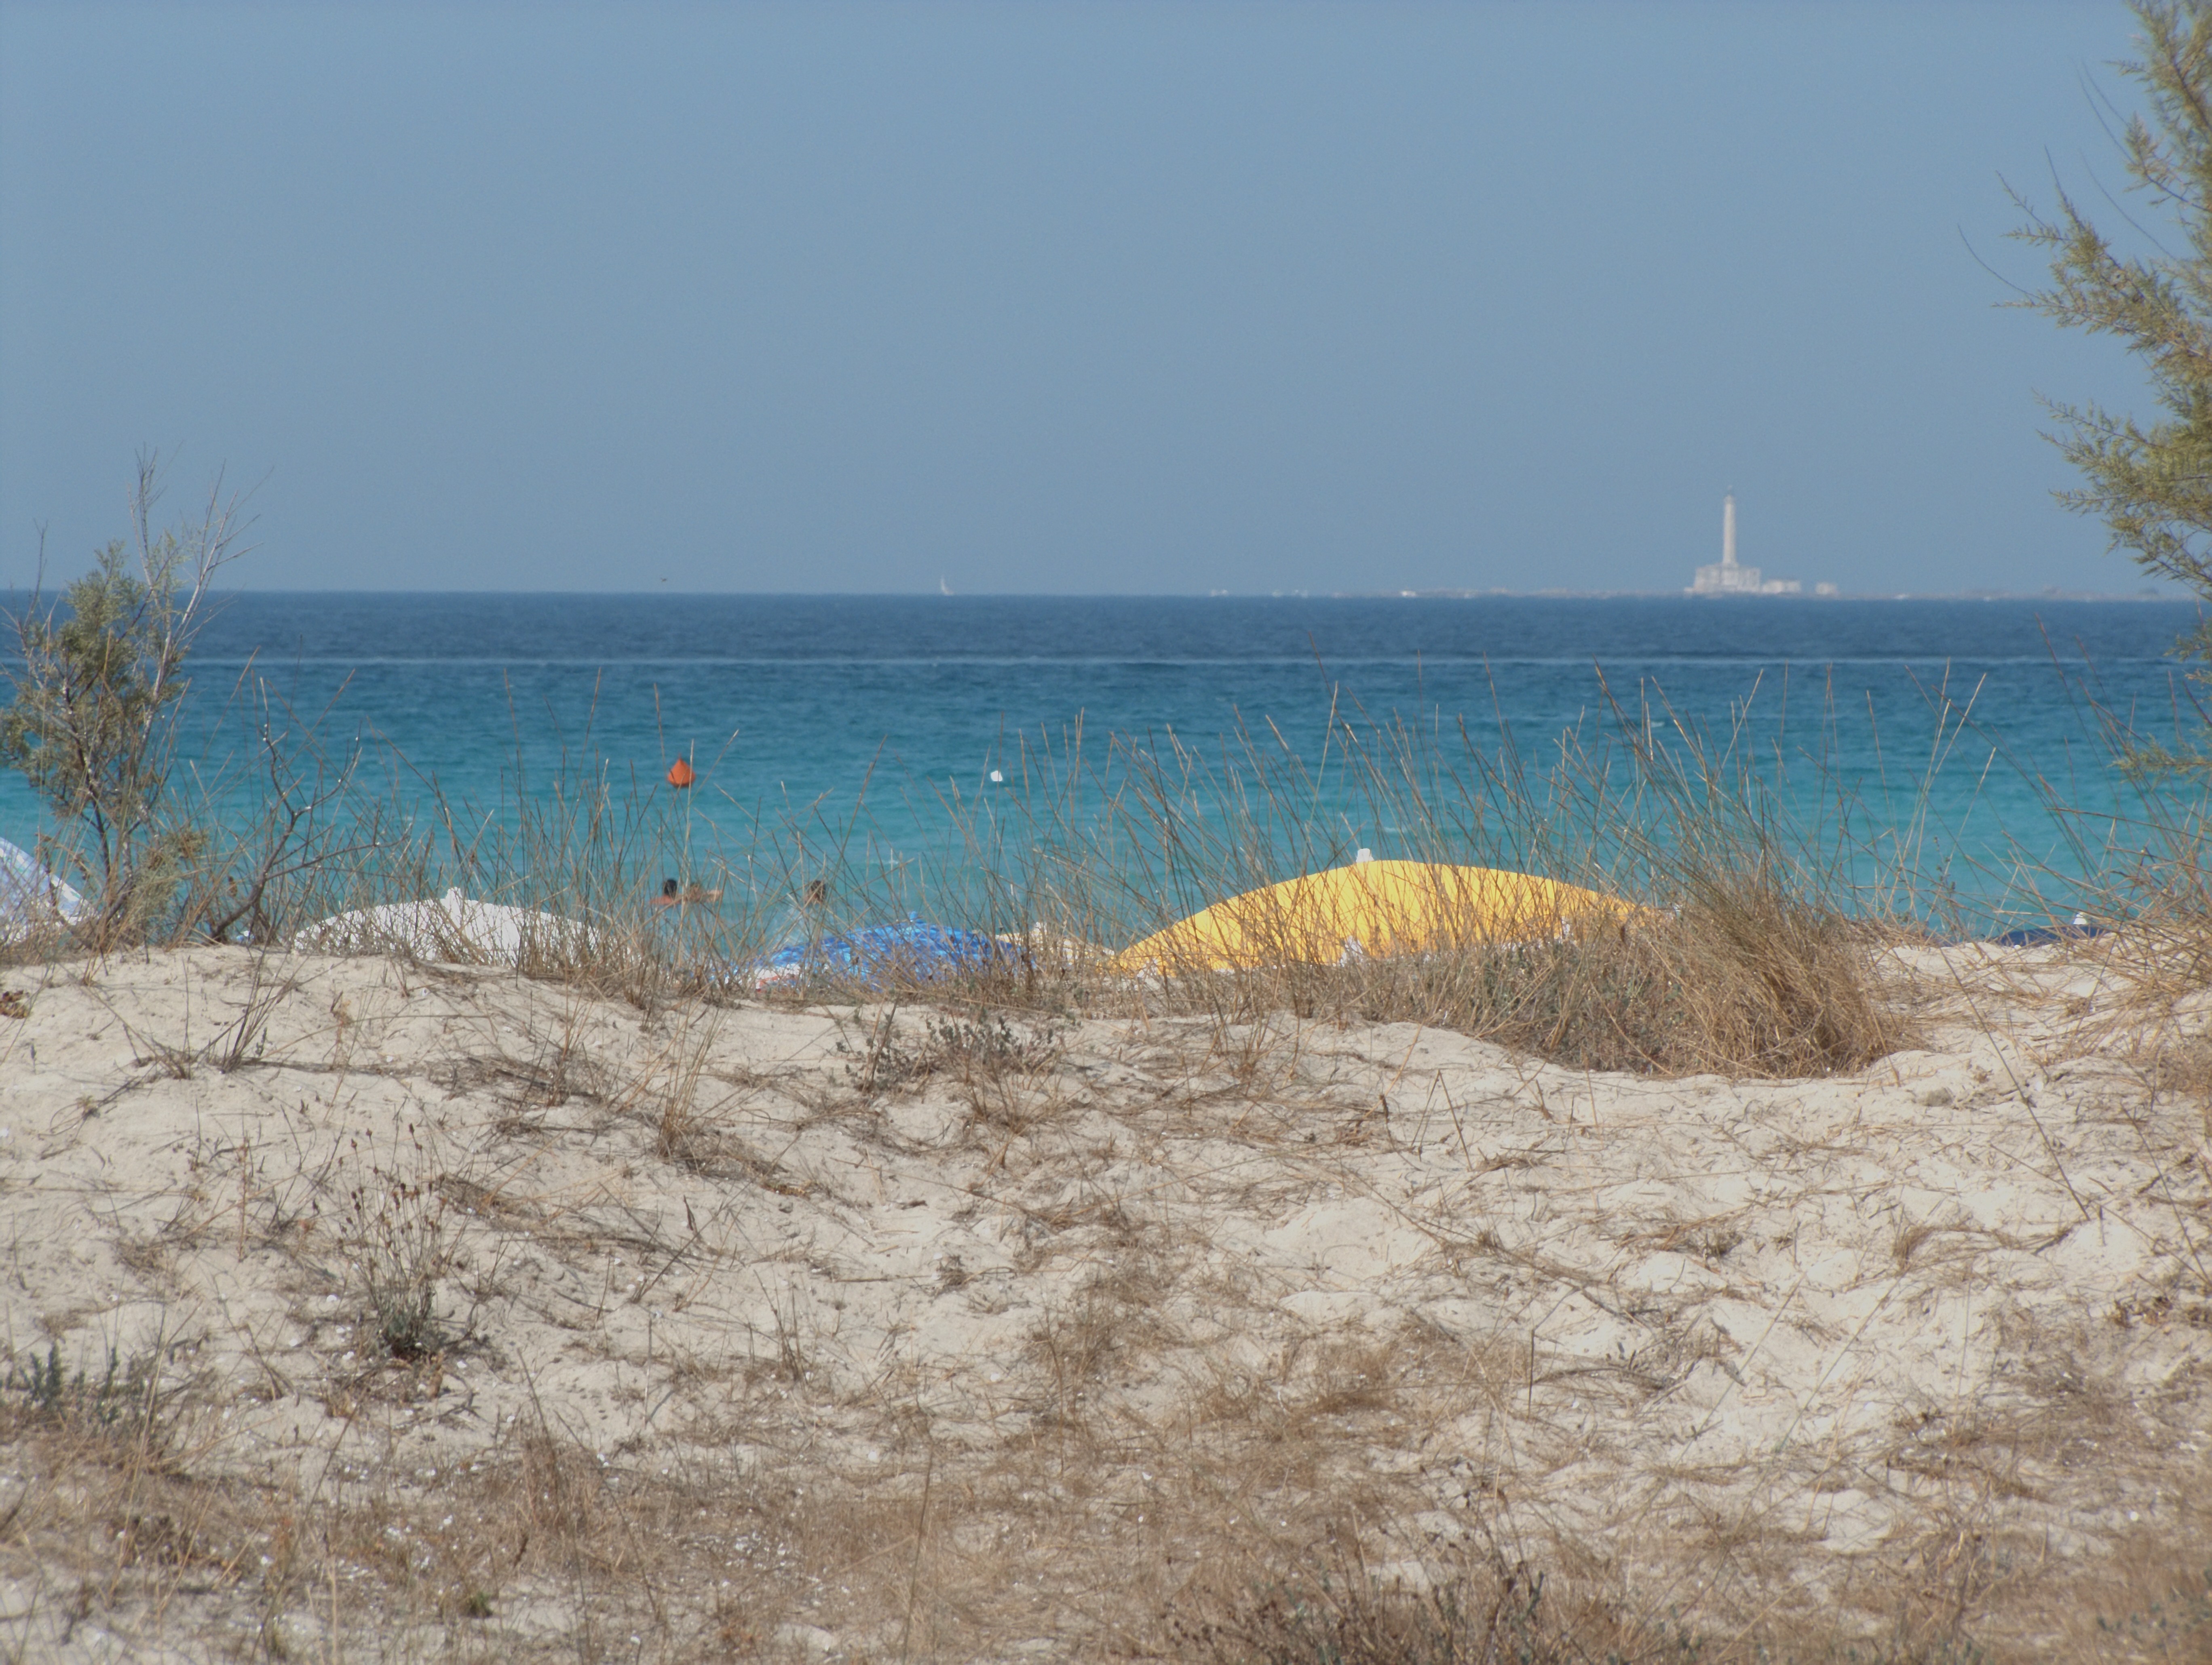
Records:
x=860, y=1332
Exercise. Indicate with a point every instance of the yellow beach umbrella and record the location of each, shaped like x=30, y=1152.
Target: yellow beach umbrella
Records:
x=1372, y=908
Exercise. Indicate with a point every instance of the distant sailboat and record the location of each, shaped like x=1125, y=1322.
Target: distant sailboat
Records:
x=943, y=588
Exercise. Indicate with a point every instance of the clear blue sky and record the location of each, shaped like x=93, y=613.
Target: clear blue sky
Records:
x=1050, y=297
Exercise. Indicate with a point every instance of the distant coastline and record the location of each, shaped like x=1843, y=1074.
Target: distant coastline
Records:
x=2048, y=595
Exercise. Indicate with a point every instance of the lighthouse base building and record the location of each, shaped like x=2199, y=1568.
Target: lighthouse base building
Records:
x=1726, y=577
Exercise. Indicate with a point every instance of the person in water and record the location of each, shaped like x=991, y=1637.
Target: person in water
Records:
x=801, y=923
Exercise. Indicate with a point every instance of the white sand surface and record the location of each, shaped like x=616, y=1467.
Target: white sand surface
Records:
x=1741, y=1347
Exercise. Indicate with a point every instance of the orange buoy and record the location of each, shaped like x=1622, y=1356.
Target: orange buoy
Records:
x=681, y=774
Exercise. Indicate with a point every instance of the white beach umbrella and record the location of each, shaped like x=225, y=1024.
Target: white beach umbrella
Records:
x=31, y=897
x=452, y=927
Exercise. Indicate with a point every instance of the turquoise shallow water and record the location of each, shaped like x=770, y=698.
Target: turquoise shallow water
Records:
x=838, y=710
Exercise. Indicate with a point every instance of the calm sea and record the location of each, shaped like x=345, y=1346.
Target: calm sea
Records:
x=830, y=702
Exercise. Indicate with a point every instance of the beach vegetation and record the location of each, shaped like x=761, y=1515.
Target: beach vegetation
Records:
x=1747, y=938
x=565, y=1377
x=2149, y=480
x=167, y=844
x=95, y=683
x=400, y=1242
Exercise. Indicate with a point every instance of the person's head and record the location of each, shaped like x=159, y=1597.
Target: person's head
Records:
x=815, y=893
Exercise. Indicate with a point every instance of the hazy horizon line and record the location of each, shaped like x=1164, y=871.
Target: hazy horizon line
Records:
x=2046, y=594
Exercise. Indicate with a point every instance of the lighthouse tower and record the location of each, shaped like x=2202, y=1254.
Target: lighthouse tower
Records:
x=1726, y=577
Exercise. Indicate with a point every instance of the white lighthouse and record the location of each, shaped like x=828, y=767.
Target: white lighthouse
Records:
x=1726, y=577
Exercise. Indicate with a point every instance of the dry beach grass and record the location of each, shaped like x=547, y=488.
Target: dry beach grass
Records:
x=457, y=1313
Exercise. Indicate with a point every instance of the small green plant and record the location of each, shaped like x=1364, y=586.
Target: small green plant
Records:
x=43, y=1387
x=125, y=1399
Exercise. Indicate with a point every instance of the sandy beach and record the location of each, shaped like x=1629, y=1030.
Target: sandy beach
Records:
x=864, y=1332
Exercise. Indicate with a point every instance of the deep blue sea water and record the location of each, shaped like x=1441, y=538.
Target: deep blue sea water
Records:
x=788, y=702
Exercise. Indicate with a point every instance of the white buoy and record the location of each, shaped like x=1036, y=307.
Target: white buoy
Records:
x=997, y=779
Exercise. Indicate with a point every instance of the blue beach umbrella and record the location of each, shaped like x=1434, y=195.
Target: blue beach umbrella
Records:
x=2035, y=936
x=876, y=956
